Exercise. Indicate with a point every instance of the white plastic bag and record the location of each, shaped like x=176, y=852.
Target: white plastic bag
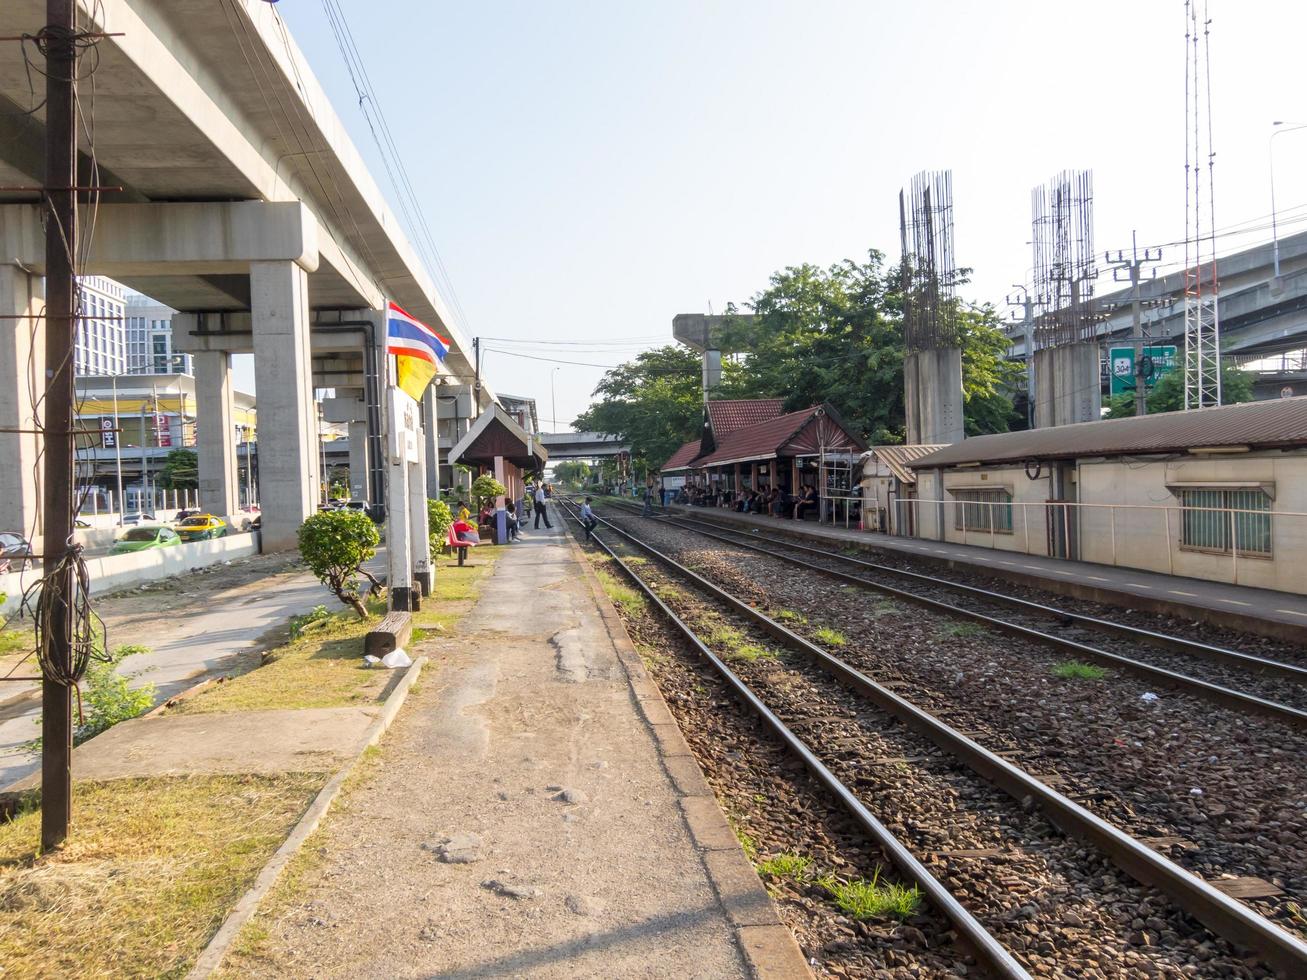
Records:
x=396, y=658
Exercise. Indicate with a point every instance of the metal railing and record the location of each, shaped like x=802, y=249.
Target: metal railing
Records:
x=1126, y=535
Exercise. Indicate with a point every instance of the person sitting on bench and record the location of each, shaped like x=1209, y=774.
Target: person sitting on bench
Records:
x=807, y=502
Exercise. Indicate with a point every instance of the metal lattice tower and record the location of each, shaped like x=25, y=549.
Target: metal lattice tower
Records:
x=1202, y=319
x=930, y=316
x=1063, y=240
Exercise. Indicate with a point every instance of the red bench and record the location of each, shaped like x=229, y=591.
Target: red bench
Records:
x=459, y=546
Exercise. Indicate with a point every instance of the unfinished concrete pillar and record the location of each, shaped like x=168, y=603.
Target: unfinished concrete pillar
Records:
x=288, y=422
x=22, y=383
x=431, y=440
x=932, y=397
x=358, y=460
x=215, y=430
x=1067, y=385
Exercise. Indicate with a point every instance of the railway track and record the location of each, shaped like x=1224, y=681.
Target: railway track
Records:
x=1225, y=916
x=1277, y=682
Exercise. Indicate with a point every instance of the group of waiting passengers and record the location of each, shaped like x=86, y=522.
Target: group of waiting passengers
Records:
x=764, y=500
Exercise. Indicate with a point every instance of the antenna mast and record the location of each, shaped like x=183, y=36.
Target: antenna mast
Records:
x=1202, y=321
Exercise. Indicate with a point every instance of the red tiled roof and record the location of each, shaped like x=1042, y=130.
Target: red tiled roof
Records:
x=729, y=415
x=682, y=457
x=768, y=439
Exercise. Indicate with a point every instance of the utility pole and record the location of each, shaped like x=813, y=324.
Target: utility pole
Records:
x=1023, y=300
x=1132, y=267
x=476, y=388
x=57, y=590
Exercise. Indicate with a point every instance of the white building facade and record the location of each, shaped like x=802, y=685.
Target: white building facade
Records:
x=149, y=339
x=101, y=331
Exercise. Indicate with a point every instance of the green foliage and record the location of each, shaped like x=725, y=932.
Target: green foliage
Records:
x=794, y=866
x=962, y=630
x=863, y=899
x=107, y=697
x=304, y=622
x=830, y=637
x=335, y=544
x=1074, y=670
x=181, y=470
x=439, y=518
x=572, y=472
x=1168, y=394
x=486, y=488
x=819, y=335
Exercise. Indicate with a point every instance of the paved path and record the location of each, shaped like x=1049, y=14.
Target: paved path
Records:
x=525, y=749
x=186, y=646
x=1183, y=596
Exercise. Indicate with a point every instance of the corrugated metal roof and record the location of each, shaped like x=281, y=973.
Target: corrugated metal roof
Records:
x=899, y=458
x=682, y=458
x=731, y=414
x=1269, y=424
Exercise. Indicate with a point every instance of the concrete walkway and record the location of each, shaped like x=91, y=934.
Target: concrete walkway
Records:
x=1264, y=611
x=522, y=821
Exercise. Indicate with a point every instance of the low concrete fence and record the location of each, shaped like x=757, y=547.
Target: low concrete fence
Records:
x=110, y=573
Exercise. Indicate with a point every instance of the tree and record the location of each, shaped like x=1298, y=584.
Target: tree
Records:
x=335, y=544
x=572, y=472
x=1168, y=394
x=486, y=488
x=181, y=470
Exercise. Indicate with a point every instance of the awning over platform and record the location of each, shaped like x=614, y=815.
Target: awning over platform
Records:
x=495, y=435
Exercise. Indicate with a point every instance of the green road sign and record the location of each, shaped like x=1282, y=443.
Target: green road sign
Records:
x=1157, y=362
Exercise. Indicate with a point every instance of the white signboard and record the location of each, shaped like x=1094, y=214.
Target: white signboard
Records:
x=405, y=418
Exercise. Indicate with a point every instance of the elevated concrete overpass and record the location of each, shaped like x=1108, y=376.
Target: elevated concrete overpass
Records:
x=244, y=205
x=582, y=445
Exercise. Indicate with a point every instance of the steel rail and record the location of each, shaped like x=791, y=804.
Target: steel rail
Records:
x=1225, y=916
x=1226, y=696
x=1178, y=643
x=971, y=933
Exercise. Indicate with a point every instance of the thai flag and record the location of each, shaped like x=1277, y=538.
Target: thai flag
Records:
x=408, y=336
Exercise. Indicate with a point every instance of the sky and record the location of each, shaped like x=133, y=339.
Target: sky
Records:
x=591, y=169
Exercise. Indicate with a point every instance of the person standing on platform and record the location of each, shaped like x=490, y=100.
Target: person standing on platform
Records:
x=588, y=519
x=662, y=497
x=541, y=510
x=648, y=501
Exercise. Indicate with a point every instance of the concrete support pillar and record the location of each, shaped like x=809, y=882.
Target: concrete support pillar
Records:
x=431, y=440
x=419, y=526
x=283, y=379
x=22, y=383
x=932, y=397
x=1067, y=385
x=501, y=511
x=358, y=460
x=216, y=433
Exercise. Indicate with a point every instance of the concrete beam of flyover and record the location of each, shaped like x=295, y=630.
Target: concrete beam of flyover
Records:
x=193, y=101
x=703, y=332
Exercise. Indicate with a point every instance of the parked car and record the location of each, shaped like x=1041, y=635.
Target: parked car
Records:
x=201, y=527
x=136, y=518
x=15, y=552
x=144, y=538
x=355, y=504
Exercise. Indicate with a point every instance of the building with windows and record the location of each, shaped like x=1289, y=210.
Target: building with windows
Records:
x=1218, y=494
x=101, y=335
x=149, y=339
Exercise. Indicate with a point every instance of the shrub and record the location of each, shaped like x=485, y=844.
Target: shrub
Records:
x=107, y=698
x=439, y=518
x=486, y=488
x=301, y=624
x=335, y=544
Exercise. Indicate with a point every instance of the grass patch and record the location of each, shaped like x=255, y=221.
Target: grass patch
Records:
x=864, y=899
x=884, y=607
x=749, y=845
x=831, y=638
x=623, y=596
x=1074, y=670
x=962, y=630
x=790, y=616
x=736, y=647
x=323, y=668
x=794, y=866
x=152, y=867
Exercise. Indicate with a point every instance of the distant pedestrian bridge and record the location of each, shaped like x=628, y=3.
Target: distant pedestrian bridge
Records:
x=582, y=445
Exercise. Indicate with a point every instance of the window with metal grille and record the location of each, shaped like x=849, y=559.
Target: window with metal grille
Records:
x=982, y=510
x=1209, y=517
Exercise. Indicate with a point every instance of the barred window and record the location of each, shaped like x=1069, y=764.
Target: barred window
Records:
x=982, y=510
x=1206, y=522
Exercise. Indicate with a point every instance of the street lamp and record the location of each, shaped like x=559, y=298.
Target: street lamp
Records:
x=1279, y=126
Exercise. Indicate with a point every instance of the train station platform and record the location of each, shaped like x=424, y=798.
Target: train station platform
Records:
x=1280, y=615
x=535, y=812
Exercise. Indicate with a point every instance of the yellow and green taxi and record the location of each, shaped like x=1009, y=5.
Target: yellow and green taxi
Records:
x=201, y=527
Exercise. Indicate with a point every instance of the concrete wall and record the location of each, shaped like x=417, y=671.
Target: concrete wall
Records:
x=113, y=572
x=1067, y=385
